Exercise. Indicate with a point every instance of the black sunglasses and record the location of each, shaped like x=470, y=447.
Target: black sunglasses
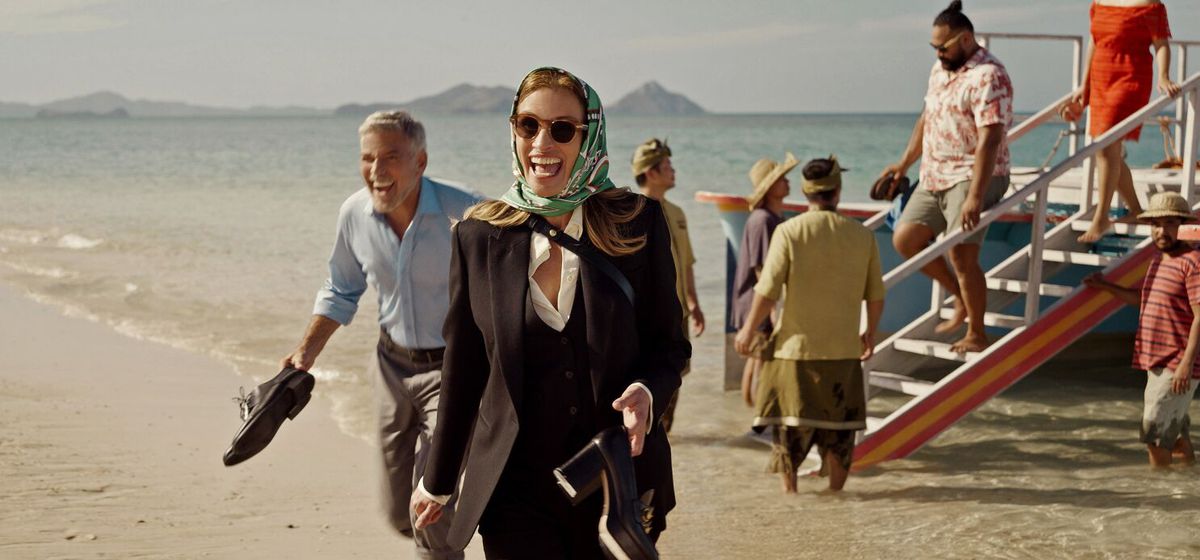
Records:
x=945, y=47
x=527, y=126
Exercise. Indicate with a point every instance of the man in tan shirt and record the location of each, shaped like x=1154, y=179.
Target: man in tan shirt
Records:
x=655, y=176
x=811, y=388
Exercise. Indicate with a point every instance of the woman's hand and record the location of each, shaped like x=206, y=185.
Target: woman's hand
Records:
x=1072, y=109
x=634, y=406
x=1167, y=87
x=428, y=511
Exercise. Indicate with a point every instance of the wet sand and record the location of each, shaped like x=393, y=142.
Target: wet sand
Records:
x=111, y=449
x=1050, y=469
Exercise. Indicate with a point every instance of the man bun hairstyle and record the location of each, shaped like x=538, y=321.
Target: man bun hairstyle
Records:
x=817, y=169
x=954, y=18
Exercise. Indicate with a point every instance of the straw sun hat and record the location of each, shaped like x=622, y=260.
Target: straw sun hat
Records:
x=764, y=174
x=1167, y=205
x=649, y=154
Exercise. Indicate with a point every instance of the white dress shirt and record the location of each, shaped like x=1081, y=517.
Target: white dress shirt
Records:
x=539, y=253
x=555, y=318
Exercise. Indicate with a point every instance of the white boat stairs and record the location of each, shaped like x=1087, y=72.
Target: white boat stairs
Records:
x=1040, y=317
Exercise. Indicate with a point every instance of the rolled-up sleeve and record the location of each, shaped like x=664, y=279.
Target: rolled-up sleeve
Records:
x=346, y=283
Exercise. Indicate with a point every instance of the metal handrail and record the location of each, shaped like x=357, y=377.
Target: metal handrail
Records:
x=1034, y=36
x=1190, y=88
x=1181, y=68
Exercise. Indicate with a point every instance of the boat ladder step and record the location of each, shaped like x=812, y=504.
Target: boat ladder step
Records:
x=899, y=383
x=1122, y=229
x=1073, y=257
x=873, y=422
x=1021, y=287
x=991, y=319
x=932, y=348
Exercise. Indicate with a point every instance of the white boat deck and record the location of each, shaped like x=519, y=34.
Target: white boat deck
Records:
x=1066, y=188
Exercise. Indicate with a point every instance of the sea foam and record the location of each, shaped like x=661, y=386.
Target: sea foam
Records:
x=77, y=242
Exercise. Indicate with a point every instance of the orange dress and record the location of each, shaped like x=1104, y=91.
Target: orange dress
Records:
x=1122, y=73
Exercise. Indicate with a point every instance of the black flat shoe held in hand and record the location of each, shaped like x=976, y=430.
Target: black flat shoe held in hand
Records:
x=265, y=409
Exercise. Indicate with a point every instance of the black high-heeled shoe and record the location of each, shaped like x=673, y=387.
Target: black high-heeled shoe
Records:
x=606, y=462
x=265, y=409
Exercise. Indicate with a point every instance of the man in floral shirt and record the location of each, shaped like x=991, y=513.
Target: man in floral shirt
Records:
x=960, y=140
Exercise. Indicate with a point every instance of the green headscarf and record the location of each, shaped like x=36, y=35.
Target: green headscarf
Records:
x=589, y=175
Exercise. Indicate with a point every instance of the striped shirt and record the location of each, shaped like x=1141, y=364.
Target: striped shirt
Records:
x=1171, y=288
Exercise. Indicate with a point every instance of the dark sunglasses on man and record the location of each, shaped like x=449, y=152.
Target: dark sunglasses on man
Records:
x=562, y=131
x=945, y=47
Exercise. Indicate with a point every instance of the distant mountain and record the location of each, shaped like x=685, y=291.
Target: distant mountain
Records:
x=107, y=103
x=460, y=99
x=649, y=99
x=653, y=99
x=17, y=110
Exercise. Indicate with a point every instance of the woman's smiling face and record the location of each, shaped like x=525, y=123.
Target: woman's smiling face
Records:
x=547, y=163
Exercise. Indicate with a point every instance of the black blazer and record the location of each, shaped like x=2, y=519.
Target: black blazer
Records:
x=483, y=367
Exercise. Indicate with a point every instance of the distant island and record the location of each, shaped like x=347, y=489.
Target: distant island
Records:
x=649, y=99
x=118, y=113
x=653, y=99
x=463, y=99
x=109, y=104
x=458, y=100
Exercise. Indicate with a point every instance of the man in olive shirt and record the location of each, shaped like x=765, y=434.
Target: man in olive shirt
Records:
x=655, y=176
x=811, y=389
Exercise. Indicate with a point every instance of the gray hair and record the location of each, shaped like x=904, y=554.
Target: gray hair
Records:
x=396, y=121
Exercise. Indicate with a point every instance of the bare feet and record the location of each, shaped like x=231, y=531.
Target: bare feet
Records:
x=789, y=482
x=1094, y=233
x=960, y=317
x=1183, y=452
x=1160, y=457
x=973, y=342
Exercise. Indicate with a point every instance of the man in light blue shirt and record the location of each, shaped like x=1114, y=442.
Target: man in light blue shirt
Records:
x=395, y=235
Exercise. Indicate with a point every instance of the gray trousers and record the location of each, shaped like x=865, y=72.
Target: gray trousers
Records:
x=408, y=402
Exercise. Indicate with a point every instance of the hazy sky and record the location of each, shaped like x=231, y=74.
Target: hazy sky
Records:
x=768, y=56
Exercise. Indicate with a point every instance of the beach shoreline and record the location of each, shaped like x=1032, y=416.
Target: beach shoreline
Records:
x=112, y=447
x=111, y=450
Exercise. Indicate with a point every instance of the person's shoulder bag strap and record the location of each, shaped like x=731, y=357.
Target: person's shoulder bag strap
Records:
x=585, y=251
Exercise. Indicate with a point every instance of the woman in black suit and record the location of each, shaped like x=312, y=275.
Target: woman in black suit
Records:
x=544, y=350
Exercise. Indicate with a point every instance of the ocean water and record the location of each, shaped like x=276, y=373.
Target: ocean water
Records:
x=213, y=235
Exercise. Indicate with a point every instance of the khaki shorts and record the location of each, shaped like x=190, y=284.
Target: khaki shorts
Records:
x=1165, y=415
x=937, y=210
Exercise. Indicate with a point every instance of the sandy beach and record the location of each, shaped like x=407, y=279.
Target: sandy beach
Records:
x=111, y=448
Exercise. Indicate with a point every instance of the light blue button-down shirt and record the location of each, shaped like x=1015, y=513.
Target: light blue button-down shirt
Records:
x=410, y=275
